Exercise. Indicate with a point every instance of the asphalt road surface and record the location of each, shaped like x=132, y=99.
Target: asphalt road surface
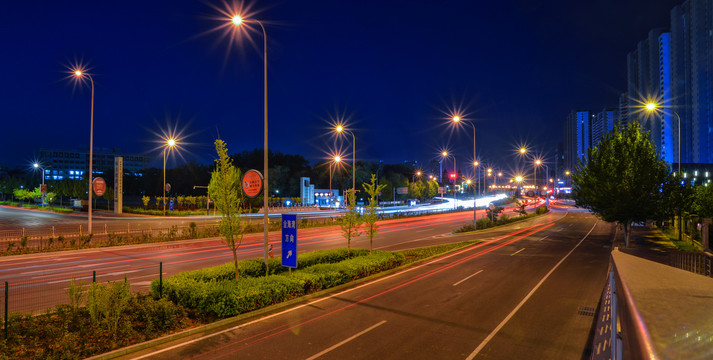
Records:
x=39, y=281
x=521, y=294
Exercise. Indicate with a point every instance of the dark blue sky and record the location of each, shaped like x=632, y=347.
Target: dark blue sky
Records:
x=517, y=66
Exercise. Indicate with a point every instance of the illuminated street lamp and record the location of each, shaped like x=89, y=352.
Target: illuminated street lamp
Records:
x=79, y=74
x=538, y=162
x=38, y=166
x=650, y=107
x=237, y=21
x=415, y=175
x=445, y=156
x=457, y=119
x=339, y=129
x=170, y=143
x=335, y=161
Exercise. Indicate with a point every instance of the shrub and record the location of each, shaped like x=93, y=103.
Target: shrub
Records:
x=214, y=291
x=541, y=210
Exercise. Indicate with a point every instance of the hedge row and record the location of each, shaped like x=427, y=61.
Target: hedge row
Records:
x=214, y=292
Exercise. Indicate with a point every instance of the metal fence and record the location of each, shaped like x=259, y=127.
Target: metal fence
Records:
x=696, y=262
x=33, y=297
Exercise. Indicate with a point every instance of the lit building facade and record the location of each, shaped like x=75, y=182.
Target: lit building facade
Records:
x=577, y=137
x=67, y=164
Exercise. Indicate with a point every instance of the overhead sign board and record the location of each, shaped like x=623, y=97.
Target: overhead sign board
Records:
x=289, y=240
x=441, y=189
x=402, y=190
x=252, y=183
x=99, y=186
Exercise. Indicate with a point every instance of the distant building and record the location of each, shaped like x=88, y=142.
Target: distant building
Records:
x=602, y=123
x=68, y=164
x=577, y=137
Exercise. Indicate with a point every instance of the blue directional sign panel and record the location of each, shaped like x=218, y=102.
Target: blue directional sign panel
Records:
x=289, y=240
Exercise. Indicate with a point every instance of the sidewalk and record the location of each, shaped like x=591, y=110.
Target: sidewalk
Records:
x=646, y=242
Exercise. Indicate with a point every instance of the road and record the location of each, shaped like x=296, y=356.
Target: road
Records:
x=524, y=293
x=37, y=282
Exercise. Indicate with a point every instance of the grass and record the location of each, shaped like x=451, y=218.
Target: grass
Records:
x=683, y=245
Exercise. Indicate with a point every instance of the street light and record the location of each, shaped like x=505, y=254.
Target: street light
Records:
x=538, y=162
x=445, y=156
x=79, y=74
x=170, y=143
x=37, y=166
x=335, y=161
x=652, y=107
x=416, y=174
x=339, y=129
x=237, y=21
x=457, y=119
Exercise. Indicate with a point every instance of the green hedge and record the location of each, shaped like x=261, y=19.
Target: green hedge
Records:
x=213, y=291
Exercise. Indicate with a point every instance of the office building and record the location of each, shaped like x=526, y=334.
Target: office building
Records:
x=72, y=164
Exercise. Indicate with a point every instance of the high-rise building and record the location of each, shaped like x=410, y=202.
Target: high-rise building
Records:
x=577, y=137
x=602, y=124
x=622, y=115
x=692, y=80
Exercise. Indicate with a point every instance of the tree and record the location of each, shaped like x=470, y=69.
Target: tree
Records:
x=677, y=199
x=145, y=199
x=372, y=189
x=432, y=189
x=227, y=195
x=703, y=201
x=108, y=196
x=21, y=194
x=621, y=181
x=351, y=221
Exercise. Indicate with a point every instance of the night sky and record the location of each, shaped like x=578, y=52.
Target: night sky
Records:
x=393, y=68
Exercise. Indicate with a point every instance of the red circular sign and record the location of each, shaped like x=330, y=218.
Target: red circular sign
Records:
x=168, y=187
x=99, y=186
x=252, y=183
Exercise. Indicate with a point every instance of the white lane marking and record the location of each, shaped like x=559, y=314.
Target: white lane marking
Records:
x=345, y=341
x=543, y=238
x=479, y=271
x=309, y=303
x=517, y=251
x=512, y=313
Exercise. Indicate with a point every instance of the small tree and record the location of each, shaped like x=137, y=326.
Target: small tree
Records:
x=228, y=198
x=145, y=199
x=622, y=179
x=371, y=216
x=703, y=201
x=351, y=221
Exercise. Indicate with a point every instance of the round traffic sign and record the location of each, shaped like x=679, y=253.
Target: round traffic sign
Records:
x=99, y=186
x=168, y=187
x=252, y=183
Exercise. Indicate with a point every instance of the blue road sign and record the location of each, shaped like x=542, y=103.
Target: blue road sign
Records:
x=289, y=240
x=171, y=204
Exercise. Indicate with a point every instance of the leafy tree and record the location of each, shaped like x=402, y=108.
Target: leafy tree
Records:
x=370, y=218
x=145, y=199
x=50, y=197
x=622, y=179
x=108, y=196
x=677, y=199
x=21, y=194
x=351, y=221
x=226, y=193
x=36, y=194
x=432, y=189
x=703, y=201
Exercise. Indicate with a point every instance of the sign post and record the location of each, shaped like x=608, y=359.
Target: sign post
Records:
x=118, y=184
x=289, y=241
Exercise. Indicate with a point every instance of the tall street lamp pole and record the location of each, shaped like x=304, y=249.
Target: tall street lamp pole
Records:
x=78, y=73
x=445, y=156
x=538, y=162
x=237, y=21
x=340, y=129
x=42, y=169
x=169, y=144
x=457, y=119
x=651, y=107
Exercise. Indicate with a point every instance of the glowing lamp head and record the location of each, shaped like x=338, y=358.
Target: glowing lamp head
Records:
x=538, y=162
x=456, y=118
x=518, y=178
x=171, y=142
x=418, y=173
x=650, y=106
x=445, y=153
x=566, y=172
x=490, y=170
x=337, y=158
x=78, y=73
x=339, y=128
x=237, y=20
x=523, y=150
x=36, y=165
x=468, y=182
x=476, y=163
x=500, y=174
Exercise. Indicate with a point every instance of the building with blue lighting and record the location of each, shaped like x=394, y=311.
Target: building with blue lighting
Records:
x=72, y=164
